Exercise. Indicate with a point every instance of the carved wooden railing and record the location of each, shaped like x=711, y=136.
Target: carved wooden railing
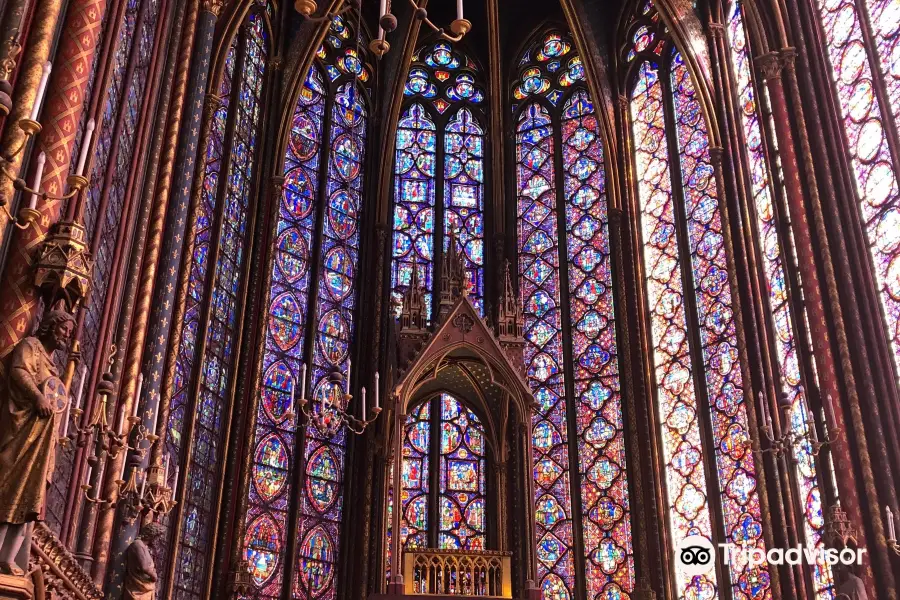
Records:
x=479, y=574
x=60, y=574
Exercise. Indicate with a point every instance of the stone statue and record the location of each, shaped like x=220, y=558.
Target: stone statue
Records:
x=140, y=572
x=30, y=407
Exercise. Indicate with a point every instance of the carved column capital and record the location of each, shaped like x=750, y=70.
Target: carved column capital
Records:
x=769, y=65
x=787, y=58
x=623, y=102
x=213, y=6
x=276, y=63
x=716, y=30
x=277, y=183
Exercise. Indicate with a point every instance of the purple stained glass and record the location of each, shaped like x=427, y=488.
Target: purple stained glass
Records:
x=414, y=193
x=464, y=196
x=609, y=556
x=284, y=343
x=683, y=451
x=777, y=285
x=539, y=264
x=461, y=498
x=321, y=503
x=221, y=235
x=718, y=337
x=556, y=73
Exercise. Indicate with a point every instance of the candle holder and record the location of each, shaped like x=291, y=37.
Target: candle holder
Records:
x=153, y=497
x=326, y=409
x=790, y=436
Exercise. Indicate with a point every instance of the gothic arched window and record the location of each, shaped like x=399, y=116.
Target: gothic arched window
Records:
x=206, y=361
x=319, y=213
x=786, y=314
x=698, y=384
x=439, y=155
x=862, y=40
x=571, y=353
x=443, y=434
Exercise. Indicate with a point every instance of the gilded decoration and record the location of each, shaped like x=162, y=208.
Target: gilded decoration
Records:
x=63, y=267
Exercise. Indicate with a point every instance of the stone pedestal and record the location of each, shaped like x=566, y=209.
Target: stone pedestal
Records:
x=16, y=588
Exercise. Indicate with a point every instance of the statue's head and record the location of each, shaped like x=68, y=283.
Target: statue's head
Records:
x=152, y=532
x=56, y=329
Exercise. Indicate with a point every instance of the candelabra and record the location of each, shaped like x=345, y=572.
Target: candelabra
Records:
x=791, y=436
x=153, y=495
x=30, y=127
x=387, y=22
x=327, y=409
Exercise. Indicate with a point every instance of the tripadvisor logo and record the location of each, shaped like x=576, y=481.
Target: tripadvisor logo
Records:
x=696, y=555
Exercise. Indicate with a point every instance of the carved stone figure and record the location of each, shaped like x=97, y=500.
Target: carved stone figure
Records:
x=30, y=407
x=140, y=571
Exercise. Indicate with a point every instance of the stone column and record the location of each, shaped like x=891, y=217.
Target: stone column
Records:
x=194, y=62
x=19, y=300
x=848, y=479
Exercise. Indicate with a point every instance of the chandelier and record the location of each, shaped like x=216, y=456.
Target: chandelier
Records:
x=387, y=22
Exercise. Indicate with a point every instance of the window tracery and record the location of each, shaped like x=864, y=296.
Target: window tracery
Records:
x=573, y=370
x=440, y=132
x=693, y=330
x=314, y=280
x=206, y=361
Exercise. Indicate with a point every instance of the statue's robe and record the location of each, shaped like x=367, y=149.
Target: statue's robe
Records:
x=27, y=440
x=140, y=573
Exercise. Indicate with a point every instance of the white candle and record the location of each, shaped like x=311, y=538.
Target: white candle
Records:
x=143, y=486
x=293, y=389
x=124, y=464
x=155, y=415
x=137, y=393
x=363, y=403
x=119, y=427
x=382, y=10
x=762, y=408
x=830, y=410
x=892, y=534
x=812, y=426
x=166, y=470
x=81, y=387
x=42, y=88
x=459, y=9
x=85, y=146
x=66, y=419
x=303, y=381
x=347, y=383
x=175, y=484
x=36, y=182
x=377, y=388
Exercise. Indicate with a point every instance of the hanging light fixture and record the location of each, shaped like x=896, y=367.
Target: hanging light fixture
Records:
x=387, y=22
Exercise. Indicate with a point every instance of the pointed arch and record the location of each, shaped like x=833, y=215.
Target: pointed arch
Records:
x=310, y=327
x=439, y=184
x=711, y=483
x=206, y=362
x=581, y=492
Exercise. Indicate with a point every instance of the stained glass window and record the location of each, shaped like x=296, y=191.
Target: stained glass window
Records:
x=445, y=434
x=319, y=212
x=692, y=326
x=206, y=358
x=571, y=202
x=443, y=110
x=771, y=244
x=869, y=98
